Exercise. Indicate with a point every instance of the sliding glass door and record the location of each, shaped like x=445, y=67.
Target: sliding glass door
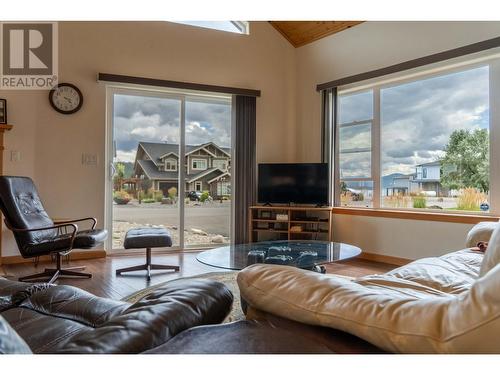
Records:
x=157, y=139
x=207, y=219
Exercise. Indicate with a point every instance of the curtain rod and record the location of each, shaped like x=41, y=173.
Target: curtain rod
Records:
x=116, y=78
x=415, y=63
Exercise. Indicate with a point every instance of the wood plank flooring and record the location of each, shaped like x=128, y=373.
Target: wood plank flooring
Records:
x=105, y=283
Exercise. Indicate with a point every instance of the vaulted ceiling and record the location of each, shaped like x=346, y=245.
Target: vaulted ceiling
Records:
x=299, y=33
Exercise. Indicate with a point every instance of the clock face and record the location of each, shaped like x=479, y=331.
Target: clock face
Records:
x=66, y=98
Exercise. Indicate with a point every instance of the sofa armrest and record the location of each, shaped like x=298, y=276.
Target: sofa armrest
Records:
x=10, y=342
x=480, y=232
x=156, y=318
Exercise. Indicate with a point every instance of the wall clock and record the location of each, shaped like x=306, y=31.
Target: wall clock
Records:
x=66, y=98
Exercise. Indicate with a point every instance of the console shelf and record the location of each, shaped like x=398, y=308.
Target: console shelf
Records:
x=315, y=223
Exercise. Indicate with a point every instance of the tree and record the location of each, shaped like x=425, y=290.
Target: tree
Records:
x=119, y=175
x=466, y=161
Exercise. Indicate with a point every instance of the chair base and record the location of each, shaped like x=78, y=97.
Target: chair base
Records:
x=52, y=274
x=148, y=266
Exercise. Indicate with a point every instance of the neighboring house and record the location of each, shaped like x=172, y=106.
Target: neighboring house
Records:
x=427, y=177
x=401, y=184
x=207, y=167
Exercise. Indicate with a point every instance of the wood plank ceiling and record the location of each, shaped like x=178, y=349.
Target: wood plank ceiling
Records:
x=299, y=33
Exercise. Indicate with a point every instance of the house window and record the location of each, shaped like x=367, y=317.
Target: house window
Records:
x=198, y=186
x=170, y=165
x=420, y=143
x=199, y=164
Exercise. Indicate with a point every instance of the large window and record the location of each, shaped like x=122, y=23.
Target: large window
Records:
x=420, y=143
x=239, y=27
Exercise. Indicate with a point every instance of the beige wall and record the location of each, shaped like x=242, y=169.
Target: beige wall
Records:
x=52, y=144
x=369, y=46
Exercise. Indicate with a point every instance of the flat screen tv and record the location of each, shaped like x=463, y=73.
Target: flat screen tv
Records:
x=304, y=183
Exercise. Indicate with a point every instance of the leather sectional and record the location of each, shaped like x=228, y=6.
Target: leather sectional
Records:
x=46, y=318
x=447, y=304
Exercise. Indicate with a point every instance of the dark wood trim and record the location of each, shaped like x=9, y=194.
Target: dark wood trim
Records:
x=116, y=78
x=74, y=255
x=381, y=258
x=415, y=215
x=415, y=63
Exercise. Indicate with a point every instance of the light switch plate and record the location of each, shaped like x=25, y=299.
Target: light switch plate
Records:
x=89, y=159
x=15, y=155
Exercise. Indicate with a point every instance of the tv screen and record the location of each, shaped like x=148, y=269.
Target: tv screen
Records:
x=305, y=183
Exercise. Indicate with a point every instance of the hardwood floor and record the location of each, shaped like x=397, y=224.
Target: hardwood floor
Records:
x=105, y=283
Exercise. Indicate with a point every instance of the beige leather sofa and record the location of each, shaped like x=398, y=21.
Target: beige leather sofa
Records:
x=447, y=304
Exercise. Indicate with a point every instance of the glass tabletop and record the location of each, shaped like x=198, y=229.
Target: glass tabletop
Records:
x=301, y=254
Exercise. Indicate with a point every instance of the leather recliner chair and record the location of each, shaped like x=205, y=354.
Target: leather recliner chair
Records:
x=36, y=233
x=47, y=318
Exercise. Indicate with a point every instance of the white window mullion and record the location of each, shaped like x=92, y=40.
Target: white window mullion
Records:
x=494, y=83
x=376, y=149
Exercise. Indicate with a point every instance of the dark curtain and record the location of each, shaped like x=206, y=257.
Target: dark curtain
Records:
x=328, y=136
x=244, y=166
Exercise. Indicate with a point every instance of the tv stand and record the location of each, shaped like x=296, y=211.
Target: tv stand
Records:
x=290, y=223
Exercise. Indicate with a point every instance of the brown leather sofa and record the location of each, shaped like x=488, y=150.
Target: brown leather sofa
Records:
x=47, y=318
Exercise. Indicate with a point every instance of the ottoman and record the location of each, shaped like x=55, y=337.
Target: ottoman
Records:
x=147, y=237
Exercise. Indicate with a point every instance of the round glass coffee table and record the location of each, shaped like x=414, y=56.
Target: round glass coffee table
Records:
x=302, y=254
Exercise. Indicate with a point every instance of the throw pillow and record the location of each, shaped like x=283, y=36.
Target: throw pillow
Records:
x=492, y=256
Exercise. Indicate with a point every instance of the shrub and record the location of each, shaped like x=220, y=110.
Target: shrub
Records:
x=419, y=201
x=172, y=192
x=157, y=195
x=148, y=200
x=397, y=201
x=470, y=199
x=204, y=196
x=121, y=197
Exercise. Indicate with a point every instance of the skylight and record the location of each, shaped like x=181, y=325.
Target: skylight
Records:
x=240, y=27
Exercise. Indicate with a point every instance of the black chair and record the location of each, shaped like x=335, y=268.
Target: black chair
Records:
x=35, y=232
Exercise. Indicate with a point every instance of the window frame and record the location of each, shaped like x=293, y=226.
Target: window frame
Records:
x=195, y=160
x=172, y=162
x=424, y=73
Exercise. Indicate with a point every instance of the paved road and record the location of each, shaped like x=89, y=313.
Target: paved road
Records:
x=212, y=217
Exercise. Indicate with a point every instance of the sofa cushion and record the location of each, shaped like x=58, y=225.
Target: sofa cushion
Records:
x=395, y=314
x=492, y=255
x=451, y=273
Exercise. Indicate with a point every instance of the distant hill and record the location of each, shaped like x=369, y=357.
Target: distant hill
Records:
x=387, y=180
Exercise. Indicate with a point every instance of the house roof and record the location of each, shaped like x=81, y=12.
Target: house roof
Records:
x=197, y=176
x=157, y=150
x=431, y=164
x=151, y=171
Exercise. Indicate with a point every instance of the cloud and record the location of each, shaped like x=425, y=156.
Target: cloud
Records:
x=417, y=118
x=151, y=119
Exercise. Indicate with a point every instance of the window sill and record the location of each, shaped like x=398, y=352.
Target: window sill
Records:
x=463, y=218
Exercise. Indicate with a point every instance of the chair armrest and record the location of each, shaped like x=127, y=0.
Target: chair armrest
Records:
x=480, y=232
x=156, y=318
x=57, y=226
x=93, y=219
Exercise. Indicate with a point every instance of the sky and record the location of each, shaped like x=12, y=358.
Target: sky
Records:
x=417, y=119
x=151, y=119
